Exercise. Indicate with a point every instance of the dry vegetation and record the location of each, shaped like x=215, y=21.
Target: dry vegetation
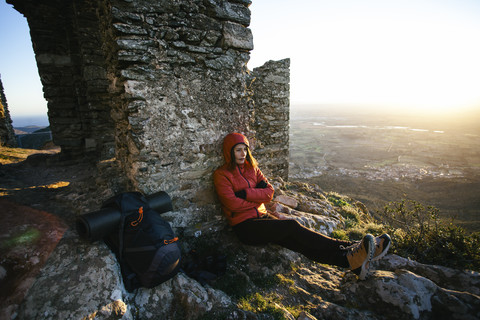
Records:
x=16, y=155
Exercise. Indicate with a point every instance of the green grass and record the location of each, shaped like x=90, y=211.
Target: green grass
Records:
x=257, y=303
x=357, y=223
x=337, y=200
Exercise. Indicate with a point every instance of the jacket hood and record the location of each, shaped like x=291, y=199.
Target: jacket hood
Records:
x=230, y=141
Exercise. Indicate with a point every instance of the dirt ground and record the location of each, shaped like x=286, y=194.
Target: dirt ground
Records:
x=28, y=238
x=40, y=198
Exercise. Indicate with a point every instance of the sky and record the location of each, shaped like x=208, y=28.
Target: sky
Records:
x=417, y=54
x=18, y=68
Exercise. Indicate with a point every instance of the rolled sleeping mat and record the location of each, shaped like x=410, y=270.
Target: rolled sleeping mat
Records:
x=98, y=224
x=160, y=202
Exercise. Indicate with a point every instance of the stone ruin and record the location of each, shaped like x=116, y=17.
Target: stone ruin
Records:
x=156, y=85
x=152, y=86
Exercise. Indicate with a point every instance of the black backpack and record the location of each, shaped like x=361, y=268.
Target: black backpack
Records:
x=144, y=243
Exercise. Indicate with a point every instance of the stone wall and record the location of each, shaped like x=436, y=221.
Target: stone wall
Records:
x=271, y=87
x=184, y=71
x=7, y=135
x=158, y=84
x=72, y=60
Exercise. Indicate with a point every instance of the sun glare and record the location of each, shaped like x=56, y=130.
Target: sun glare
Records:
x=418, y=56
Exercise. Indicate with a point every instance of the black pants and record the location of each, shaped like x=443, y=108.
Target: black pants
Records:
x=292, y=235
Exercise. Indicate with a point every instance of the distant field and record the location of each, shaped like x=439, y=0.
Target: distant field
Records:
x=377, y=159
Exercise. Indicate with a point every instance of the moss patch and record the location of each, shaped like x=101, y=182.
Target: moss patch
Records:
x=29, y=236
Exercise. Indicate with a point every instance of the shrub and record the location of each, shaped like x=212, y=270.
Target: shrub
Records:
x=375, y=228
x=417, y=232
x=420, y=234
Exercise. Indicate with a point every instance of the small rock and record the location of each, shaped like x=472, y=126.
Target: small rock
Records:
x=286, y=200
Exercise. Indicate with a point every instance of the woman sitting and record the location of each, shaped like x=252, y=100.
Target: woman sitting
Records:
x=243, y=189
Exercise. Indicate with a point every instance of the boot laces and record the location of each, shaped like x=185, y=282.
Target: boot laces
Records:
x=353, y=248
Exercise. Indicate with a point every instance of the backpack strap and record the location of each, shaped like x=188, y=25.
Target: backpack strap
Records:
x=130, y=279
x=170, y=241
x=138, y=203
x=120, y=235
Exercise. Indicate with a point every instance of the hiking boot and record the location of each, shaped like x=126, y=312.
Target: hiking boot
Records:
x=359, y=255
x=382, y=244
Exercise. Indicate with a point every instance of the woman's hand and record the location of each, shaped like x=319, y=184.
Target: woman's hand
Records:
x=262, y=185
x=242, y=194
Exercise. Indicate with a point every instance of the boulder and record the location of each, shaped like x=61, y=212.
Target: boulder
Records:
x=83, y=281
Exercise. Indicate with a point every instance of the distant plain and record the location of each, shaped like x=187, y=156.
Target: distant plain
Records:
x=377, y=157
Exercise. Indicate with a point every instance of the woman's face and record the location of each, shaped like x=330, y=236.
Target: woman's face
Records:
x=240, y=152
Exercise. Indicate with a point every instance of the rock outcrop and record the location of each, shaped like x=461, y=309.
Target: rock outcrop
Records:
x=7, y=135
x=82, y=280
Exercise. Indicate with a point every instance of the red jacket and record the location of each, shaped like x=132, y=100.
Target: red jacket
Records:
x=227, y=182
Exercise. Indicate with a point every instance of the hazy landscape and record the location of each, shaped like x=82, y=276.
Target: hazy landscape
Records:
x=376, y=158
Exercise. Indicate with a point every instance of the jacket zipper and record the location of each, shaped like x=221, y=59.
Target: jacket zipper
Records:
x=243, y=176
x=239, y=171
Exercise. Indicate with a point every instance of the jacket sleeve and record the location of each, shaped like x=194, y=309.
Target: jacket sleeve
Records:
x=224, y=189
x=260, y=195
